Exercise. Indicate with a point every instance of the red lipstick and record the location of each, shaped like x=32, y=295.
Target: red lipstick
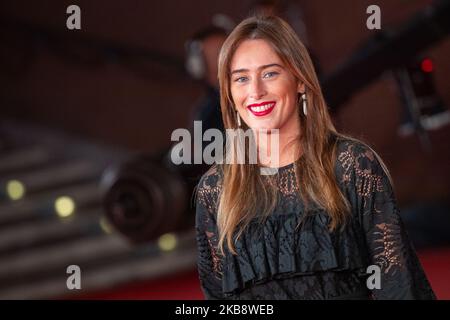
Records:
x=261, y=109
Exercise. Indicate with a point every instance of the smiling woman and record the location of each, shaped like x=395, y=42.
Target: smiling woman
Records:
x=262, y=85
x=312, y=230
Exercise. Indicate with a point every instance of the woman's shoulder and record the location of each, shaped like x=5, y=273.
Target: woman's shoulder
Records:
x=211, y=178
x=208, y=188
x=352, y=150
x=354, y=147
x=356, y=157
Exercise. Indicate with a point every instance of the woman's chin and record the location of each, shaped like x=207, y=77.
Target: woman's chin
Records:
x=262, y=125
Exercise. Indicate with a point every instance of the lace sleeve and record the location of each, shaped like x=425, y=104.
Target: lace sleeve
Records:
x=387, y=242
x=208, y=262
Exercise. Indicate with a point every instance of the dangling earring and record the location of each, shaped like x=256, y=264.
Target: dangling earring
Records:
x=238, y=119
x=305, y=111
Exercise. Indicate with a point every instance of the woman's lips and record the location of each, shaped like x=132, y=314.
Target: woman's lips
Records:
x=261, y=109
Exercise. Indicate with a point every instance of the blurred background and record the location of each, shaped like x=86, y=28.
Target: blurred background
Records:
x=86, y=118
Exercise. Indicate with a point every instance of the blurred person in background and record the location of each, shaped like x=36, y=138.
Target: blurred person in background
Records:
x=201, y=63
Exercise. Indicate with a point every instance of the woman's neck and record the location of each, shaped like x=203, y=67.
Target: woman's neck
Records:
x=277, y=149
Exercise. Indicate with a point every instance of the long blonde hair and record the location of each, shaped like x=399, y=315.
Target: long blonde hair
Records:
x=245, y=194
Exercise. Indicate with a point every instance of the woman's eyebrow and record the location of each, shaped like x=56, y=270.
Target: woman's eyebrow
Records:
x=259, y=68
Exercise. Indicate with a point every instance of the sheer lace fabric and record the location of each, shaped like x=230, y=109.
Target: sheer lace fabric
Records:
x=276, y=260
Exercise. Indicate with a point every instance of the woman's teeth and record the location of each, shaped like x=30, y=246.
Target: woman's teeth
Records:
x=262, y=108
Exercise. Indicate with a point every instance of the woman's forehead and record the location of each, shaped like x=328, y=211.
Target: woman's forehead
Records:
x=253, y=53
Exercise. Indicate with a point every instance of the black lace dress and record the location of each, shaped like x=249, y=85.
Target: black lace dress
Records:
x=277, y=261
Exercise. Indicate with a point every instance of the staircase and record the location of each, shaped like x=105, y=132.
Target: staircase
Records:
x=51, y=217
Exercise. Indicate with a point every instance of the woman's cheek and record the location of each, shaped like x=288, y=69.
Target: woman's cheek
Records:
x=236, y=97
x=240, y=100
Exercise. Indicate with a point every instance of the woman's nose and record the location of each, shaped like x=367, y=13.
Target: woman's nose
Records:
x=257, y=89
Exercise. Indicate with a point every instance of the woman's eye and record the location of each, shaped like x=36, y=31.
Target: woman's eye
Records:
x=270, y=74
x=240, y=79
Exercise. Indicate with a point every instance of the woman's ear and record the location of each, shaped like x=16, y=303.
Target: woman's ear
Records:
x=301, y=87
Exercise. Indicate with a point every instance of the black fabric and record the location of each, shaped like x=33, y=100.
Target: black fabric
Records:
x=278, y=260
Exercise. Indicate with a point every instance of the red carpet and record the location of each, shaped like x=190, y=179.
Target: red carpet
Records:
x=185, y=286
x=182, y=286
x=436, y=263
